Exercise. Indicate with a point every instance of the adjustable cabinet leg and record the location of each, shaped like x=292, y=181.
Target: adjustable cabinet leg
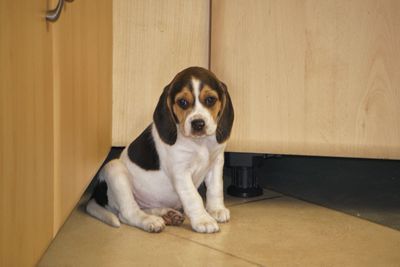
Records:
x=244, y=180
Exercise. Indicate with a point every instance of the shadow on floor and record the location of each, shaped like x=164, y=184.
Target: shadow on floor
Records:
x=365, y=188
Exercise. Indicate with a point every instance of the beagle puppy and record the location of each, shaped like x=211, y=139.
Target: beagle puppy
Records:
x=159, y=172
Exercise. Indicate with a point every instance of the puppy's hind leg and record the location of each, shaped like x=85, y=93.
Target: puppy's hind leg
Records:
x=121, y=198
x=170, y=216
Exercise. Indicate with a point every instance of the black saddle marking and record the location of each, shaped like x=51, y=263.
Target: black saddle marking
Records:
x=142, y=151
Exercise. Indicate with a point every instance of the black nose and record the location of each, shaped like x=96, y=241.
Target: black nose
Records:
x=198, y=125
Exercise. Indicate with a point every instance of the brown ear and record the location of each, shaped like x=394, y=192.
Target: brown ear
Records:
x=163, y=119
x=226, y=118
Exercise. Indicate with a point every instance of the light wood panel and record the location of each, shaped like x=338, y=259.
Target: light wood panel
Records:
x=153, y=40
x=26, y=133
x=311, y=77
x=82, y=100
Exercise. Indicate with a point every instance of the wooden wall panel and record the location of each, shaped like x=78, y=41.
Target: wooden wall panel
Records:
x=311, y=77
x=82, y=99
x=26, y=133
x=153, y=40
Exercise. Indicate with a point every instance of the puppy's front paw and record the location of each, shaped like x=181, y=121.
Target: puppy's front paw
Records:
x=220, y=215
x=205, y=224
x=153, y=224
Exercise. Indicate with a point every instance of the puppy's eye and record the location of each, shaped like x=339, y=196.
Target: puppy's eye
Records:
x=183, y=103
x=210, y=101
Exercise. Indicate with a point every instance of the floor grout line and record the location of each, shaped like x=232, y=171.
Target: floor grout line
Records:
x=252, y=201
x=216, y=249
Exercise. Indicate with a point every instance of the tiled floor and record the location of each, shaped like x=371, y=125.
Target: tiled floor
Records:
x=273, y=230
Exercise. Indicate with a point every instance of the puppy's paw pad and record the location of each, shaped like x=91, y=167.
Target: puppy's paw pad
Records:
x=220, y=215
x=153, y=224
x=205, y=225
x=173, y=217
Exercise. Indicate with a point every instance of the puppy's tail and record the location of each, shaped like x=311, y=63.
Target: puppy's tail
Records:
x=102, y=214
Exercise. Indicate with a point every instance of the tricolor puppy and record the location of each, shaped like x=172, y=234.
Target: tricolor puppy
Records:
x=160, y=171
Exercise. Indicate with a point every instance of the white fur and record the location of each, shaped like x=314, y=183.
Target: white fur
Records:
x=183, y=167
x=199, y=112
x=98, y=211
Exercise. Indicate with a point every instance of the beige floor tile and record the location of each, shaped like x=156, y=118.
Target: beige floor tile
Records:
x=288, y=232
x=84, y=241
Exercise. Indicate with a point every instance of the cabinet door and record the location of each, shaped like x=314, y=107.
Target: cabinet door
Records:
x=82, y=47
x=153, y=41
x=26, y=132
x=311, y=77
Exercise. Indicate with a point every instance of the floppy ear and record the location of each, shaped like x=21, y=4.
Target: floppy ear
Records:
x=226, y=118
x=163, y=119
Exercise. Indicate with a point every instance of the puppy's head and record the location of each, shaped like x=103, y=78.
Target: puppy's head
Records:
x=195, y=103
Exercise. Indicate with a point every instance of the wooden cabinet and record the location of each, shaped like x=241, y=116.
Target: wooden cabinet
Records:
x=153, y=40
x=306, y=77
x=311, y=77
x=26, y=133
x=55, y=117
x=82, y=46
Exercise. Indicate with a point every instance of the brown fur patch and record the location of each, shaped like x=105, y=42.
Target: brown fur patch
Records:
x=179, y=112
x=215, y=109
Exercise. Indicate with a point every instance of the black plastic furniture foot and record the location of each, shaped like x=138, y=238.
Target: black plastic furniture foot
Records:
x=244, y=180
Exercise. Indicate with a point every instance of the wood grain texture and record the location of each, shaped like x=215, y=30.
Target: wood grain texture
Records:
x=26, y=133
x=311, y=77
x=153, y=40
x=82, y=47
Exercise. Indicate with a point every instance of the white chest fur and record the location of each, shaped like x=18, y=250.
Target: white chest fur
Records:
x=196, y=157
x=193, y=156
